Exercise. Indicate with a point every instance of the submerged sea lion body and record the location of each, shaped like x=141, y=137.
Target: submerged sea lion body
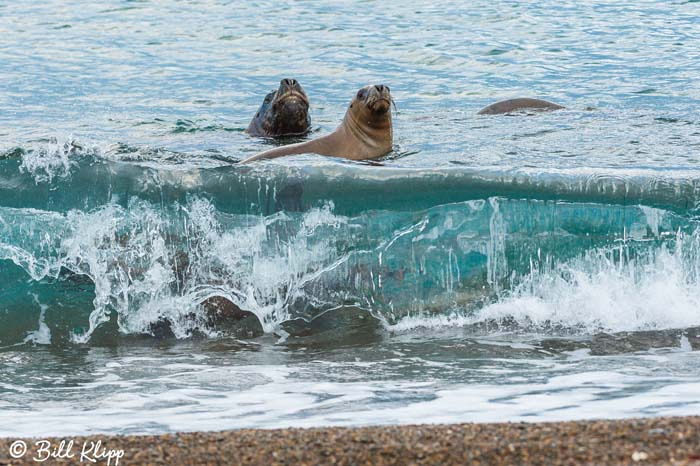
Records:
x=365, y=132
x=516, y=105
x=284, y=112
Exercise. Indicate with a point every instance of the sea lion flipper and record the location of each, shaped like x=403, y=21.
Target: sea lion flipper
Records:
x=290, y=149
x=515, y=105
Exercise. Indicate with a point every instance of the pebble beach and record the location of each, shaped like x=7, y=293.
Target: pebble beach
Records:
x=669, y=440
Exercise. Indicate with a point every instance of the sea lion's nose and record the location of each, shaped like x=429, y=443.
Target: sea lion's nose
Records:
x=289, y=82
x=380, y=88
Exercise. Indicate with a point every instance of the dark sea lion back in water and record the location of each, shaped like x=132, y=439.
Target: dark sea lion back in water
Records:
x=516, y=105
x=284, y=112
x=365, y=132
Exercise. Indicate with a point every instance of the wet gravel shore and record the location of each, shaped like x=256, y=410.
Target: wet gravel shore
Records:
x=673, y=440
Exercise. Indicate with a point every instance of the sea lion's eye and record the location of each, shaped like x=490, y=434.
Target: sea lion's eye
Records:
x=361, y=94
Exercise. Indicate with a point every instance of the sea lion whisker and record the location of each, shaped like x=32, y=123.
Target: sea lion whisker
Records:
x=393, y=103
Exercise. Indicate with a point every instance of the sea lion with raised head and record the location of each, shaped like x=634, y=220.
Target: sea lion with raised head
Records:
x=365, y=132
x=284, y=112
x=518, y=105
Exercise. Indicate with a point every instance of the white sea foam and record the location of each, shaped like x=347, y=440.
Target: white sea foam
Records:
x=178, y=393
x=602, y=290
x=42, y=335
x=150, y=265
x=52, y=159
x=597, y=292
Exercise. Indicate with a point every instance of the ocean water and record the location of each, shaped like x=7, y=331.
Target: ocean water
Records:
x=491, y=268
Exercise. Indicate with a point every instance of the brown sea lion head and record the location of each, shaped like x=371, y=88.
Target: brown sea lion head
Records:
x=372, y=106
x=284, y=112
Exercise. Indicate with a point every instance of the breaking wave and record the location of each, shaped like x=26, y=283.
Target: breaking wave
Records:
x=91, y=245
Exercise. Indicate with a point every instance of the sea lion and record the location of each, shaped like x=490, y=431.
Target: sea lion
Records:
x=516, y=105
x=365, y=132
x=284, y=112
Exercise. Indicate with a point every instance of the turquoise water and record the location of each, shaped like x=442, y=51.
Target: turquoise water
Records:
x=491, y=268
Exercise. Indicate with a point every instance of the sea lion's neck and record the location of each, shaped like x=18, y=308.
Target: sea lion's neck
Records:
x=373, y=133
